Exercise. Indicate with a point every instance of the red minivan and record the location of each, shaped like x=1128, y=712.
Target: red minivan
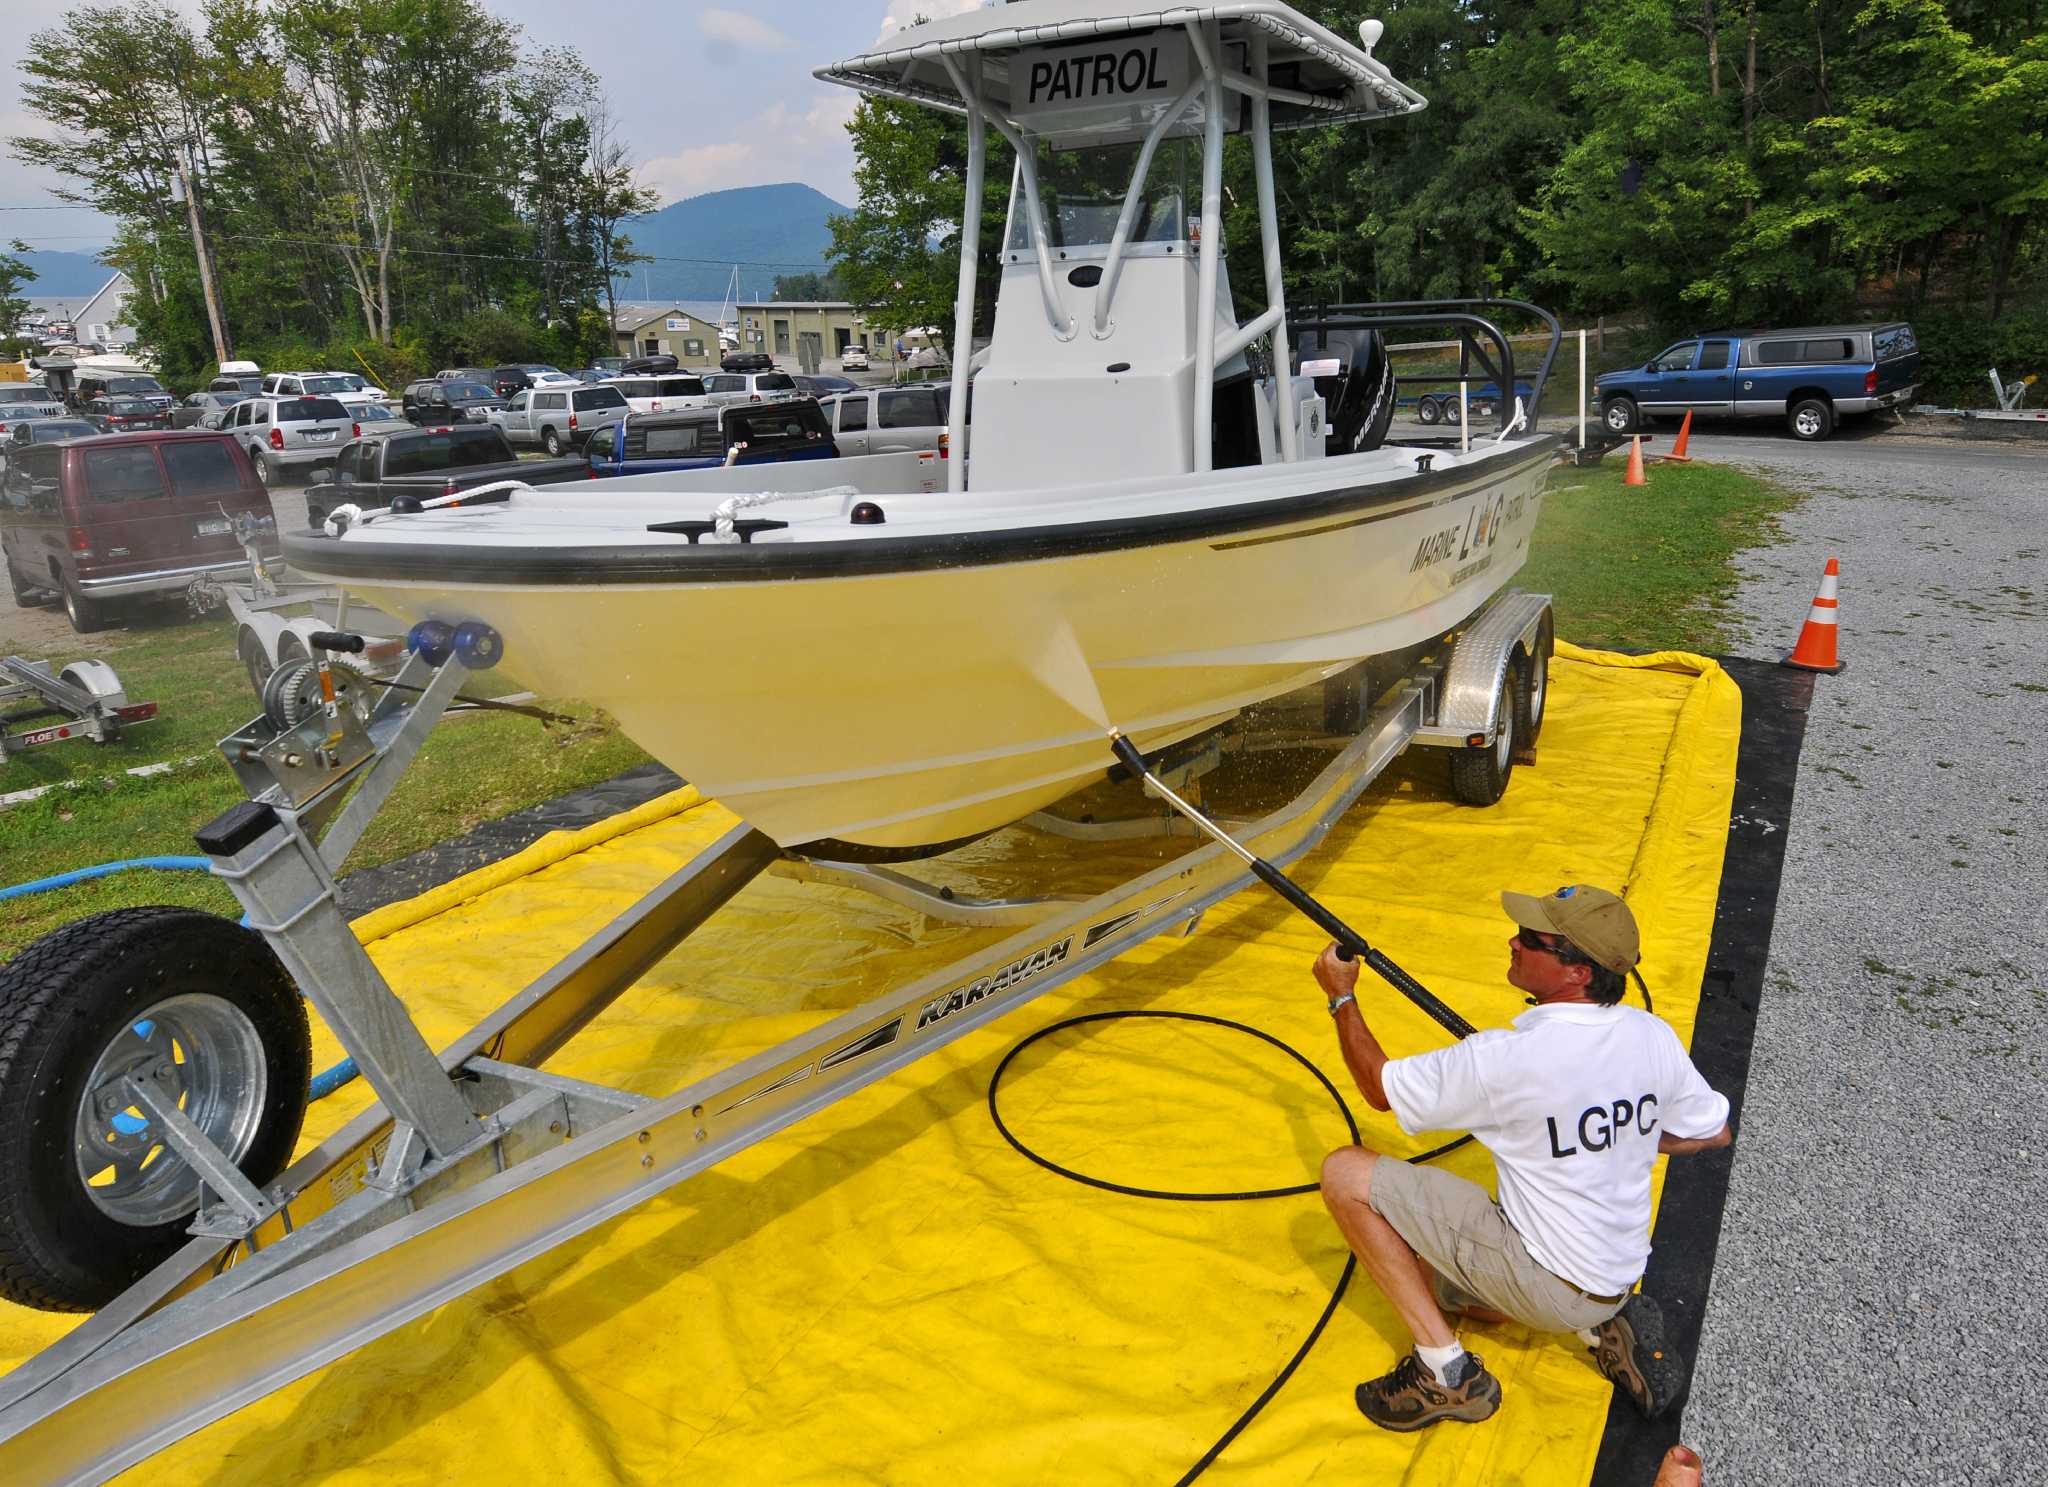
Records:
x=95, y=521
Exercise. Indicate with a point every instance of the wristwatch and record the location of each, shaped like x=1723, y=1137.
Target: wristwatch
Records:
x=1338, y=1004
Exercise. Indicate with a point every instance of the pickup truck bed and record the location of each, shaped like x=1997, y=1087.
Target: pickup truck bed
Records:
x=429, y=462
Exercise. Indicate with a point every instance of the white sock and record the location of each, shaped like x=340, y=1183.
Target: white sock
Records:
x=1439, y=1361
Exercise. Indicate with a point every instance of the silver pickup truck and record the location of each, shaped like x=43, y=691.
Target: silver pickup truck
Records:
x=559, y=419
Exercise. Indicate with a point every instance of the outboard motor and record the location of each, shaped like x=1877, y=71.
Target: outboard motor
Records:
x=1358, y=391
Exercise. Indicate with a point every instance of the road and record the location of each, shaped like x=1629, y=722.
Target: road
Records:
x=1881, y=1288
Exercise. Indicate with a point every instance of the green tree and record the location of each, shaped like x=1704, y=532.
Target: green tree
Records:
x=15, y=275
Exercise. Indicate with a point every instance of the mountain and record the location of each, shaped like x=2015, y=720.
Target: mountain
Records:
x=63, y=275
x=767, y=230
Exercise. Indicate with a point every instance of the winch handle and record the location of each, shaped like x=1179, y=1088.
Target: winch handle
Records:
x=337, y=640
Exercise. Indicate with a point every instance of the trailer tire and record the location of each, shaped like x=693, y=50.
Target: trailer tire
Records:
x=255, y=660
x=24, y=596
x=134, y=989
x=1427, y=410
x=1533, y=696
x=1480, y=776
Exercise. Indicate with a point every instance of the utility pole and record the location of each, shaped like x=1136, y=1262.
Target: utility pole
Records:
x=206, y=286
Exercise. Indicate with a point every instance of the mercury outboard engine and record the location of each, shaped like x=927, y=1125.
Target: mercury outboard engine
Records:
x=1355, y=379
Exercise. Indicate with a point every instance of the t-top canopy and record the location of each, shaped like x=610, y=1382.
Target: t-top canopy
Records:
x=1037, y=65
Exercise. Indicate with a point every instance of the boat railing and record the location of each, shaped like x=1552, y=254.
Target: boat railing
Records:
x=1475, y=334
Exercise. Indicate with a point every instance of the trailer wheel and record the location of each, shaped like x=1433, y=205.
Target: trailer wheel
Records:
x=1427, y=410
x=254, y=660
x=91, y=1197
x=1480, y=776
x=1534, y=694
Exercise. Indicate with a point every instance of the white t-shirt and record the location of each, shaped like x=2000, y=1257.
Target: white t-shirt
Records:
x=1570, y=1101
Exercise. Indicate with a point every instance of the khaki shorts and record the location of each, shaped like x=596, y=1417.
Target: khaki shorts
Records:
x=1461, y=1233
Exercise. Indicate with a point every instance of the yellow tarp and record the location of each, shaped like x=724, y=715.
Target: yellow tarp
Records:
x=887, y=1293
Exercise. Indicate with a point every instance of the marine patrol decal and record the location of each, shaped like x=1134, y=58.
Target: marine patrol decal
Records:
x=1014, y=974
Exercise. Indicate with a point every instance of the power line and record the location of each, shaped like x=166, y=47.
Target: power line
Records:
x=244, y=237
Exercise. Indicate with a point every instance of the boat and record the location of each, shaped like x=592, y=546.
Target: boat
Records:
x=1160, y=525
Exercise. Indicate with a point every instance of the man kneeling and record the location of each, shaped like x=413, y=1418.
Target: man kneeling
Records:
x=1575, y=1102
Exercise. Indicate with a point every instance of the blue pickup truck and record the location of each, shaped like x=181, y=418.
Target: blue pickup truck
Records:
x=1810, y=377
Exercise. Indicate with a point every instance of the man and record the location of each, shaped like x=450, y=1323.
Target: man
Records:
x=1574, y=1101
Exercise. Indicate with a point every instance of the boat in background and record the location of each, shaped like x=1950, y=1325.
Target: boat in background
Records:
x=1163, y=522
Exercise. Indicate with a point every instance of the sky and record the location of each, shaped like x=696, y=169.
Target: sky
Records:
x=745, y=112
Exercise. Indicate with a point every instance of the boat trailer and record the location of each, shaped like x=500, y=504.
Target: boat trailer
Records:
x=86, y=694
x=475, y=1159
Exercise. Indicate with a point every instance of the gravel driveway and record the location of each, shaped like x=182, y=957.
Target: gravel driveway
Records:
x=1881, y=1293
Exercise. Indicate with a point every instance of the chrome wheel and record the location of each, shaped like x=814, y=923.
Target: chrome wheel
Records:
x=199, y=1052
x=1806, y=423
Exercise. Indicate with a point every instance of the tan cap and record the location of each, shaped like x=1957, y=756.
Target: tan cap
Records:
x=1595, y=921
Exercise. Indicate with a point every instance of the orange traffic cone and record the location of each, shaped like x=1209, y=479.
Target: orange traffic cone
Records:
x=1816, y=648
x=1634, y=474
x=1684, y=437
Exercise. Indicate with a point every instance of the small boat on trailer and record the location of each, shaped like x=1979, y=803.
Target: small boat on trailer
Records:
x=1160, y=525
x=153, y=1061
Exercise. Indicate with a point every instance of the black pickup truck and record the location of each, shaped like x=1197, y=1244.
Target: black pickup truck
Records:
x=429, y=462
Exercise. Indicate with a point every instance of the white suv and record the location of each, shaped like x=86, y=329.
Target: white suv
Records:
x=752, y=387
x=334, y=385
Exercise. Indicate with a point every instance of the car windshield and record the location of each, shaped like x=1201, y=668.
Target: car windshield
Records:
x=52, y=429
x=632, y=388
x=444, y=449
x=374, y=413
x=24, y=395
x=469, y=390
x=134, y=385
x=328, y=385
x=129, y=407
x=775, y=382
x=533, y=367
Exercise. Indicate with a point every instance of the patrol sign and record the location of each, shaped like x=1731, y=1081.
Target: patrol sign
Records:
x=1100, y=90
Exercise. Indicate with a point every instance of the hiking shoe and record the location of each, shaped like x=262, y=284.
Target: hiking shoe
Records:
x=1631, y=1349
x=1410, y=1398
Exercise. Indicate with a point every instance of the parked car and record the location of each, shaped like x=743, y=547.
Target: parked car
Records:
x=237, y=376
x=344, y=389
x=429, y=462
x=752, y=387
x=590, y=374
x=464, y=374
x=289, y=435
x=640, y=366
x=125, y=415
x=854, y=359
x=25, y=432
x=701, y=437
x=95, y=384
x=609, y=365
x=666, y=393
x=561, y=418
x=21, y=402
x=370, y=390
x=376, y=421
x=823, y=385
x=746, y=361
x=98, y=521
x=887, y=419
x=1810, y=377
x=453, y=401
x=510, y=379
x=206, y=409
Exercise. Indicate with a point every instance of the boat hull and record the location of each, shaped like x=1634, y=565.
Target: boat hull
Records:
x=899, y=709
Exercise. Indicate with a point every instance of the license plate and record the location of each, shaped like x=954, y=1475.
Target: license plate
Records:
x=213, y=526
x=320, y=436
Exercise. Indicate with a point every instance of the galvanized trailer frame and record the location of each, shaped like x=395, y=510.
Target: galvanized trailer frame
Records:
x=475, y=1160
x=86, y=694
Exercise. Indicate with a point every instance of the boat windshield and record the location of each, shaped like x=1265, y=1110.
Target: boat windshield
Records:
x=1083, y=194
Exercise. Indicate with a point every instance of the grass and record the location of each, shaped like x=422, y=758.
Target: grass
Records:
x=1649, y=567
x=475, y=767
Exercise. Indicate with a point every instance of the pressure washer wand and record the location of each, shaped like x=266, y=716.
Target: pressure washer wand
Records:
x=1351, y=945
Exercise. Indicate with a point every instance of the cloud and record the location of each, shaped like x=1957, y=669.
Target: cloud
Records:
x=740, y=30
x=778, y=144
x=902, y=13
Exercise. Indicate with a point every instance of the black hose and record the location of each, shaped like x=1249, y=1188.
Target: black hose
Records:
x=1350, y=1262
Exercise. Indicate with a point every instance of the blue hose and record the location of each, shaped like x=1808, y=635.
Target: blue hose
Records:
x=105, y=869
x=324, y=1083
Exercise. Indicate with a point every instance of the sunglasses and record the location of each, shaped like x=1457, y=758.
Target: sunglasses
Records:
x=1526, y=938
